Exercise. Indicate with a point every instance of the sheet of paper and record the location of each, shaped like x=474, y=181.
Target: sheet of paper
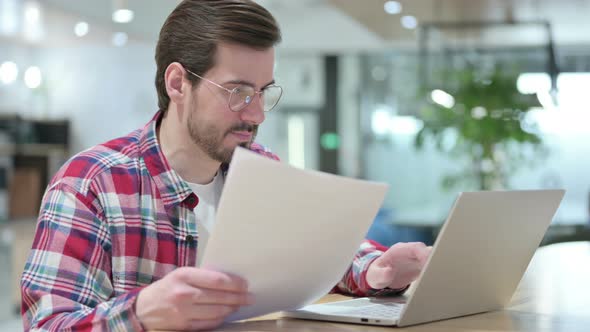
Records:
x=291, y=233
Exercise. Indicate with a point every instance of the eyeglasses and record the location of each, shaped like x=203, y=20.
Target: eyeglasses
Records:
x=243, y=95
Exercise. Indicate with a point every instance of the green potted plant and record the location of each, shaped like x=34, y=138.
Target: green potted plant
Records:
x=484, y=121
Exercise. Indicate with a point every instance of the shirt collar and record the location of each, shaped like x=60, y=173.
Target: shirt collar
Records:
x=173, y=189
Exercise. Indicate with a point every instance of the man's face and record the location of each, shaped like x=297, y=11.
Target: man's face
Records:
x=212, y=126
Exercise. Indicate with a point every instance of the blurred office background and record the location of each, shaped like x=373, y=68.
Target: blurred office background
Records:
x=433, y=97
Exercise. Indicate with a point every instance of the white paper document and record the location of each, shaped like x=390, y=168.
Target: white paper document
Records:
x=291, y=233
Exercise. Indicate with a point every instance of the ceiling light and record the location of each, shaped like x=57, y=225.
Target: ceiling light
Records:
x=409, y=22
x=81, y=29
x=32, y=24
x=392, y=7
x=442, y=98
x=120, y=39
x=121, y=12
x=9, y=18
x=32, y=12
x=8, y=72
x=33, y=77
x=123, y=16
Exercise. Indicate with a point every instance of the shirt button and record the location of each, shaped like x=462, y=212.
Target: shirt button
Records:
x=191, y=200
x=189, y=238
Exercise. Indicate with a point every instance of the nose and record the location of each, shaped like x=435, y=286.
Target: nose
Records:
x=254, y=112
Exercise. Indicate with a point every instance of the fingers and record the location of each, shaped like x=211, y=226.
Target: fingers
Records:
x=215, y=280
x=191, y=298
x=399, y=265
x=201, y=325
x=422, y=253
x=403, y=251
x=418, y=249
x=211, y=296
x=210, y=312
x=380, y=277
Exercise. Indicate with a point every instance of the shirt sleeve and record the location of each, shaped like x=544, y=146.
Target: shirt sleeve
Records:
x=354, y=281
x=66, y=282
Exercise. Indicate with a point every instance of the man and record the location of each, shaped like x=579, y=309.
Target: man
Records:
x=122, y=225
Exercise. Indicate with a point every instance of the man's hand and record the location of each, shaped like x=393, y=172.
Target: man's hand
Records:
x=191, y=298
x=398, y=266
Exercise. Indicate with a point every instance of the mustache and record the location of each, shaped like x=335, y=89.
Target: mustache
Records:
x=244, y=127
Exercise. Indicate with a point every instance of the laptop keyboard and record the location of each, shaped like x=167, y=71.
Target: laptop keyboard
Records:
x=381, y=310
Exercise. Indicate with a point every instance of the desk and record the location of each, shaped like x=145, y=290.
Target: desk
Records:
x=554, y=295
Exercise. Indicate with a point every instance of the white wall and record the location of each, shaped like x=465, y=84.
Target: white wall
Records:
x=106, y=92
x=15, y=97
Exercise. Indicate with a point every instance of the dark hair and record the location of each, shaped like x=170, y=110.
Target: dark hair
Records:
x=193, y=30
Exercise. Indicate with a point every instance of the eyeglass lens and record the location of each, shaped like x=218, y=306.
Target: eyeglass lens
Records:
x=244, y=95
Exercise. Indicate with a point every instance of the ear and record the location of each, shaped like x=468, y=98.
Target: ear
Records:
x=175, y=81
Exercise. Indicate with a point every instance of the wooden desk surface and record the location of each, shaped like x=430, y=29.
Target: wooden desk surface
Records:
x=554, y=295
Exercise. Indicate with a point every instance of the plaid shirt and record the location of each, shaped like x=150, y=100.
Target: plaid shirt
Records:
x=114, y=219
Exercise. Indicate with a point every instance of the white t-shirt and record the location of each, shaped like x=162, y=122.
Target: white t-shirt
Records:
x=205, y=210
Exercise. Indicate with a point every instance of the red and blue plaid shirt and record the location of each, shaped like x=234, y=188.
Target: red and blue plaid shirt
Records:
x=114, y=219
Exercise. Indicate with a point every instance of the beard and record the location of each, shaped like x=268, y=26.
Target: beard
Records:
x=210, y=138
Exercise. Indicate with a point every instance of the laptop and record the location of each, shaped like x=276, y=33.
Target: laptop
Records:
x=477, y=261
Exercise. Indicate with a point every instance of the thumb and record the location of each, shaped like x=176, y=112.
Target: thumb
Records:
x=423, y=257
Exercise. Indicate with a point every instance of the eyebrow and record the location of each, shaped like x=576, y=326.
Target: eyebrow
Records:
x=244, y=82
